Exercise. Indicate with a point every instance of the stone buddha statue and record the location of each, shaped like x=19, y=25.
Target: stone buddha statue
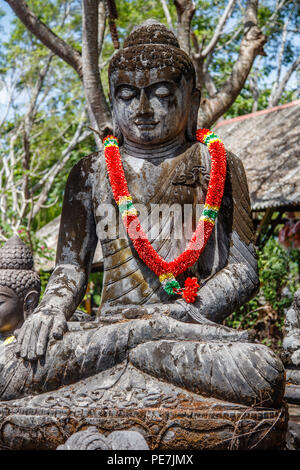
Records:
x=19, y=287
x=149, y=356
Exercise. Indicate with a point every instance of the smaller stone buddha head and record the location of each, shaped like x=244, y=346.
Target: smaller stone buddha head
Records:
x=19, y=285
x=153, y=88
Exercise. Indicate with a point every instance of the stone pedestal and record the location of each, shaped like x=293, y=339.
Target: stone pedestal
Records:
x=123, y=398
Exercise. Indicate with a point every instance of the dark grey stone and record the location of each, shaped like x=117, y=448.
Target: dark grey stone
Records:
x=149, y=361
x=91, y=439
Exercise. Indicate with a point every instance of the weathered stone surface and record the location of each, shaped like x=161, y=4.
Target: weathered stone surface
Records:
x=19, y=287
x=127, y=440
x=291, y=351
x=291, y=340
x=160, y=366
x=208, y=359
x=124, y=398
x=292, y=393
x=91, y=439
x=293, y=432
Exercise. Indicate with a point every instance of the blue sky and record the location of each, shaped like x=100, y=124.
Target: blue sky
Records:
x=5, y=22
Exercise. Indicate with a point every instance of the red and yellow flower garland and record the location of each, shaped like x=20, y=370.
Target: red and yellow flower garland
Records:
x=167, y=271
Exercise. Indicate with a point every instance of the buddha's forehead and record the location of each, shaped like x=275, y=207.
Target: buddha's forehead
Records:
x=144, y=78
x=7, y=292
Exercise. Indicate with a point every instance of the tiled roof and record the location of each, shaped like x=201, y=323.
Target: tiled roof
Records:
x=268, y=143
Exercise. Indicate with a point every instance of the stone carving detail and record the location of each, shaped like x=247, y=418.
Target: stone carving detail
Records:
x=291, y=350
x=166, y=416
x=91, y=439
x=19, y=287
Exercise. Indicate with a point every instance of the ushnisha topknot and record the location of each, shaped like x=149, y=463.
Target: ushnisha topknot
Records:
x=152, y=46
x=14, y=254
x=16, y=268
x=151, y=32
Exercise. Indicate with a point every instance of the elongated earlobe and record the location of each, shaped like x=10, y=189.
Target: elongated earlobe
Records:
x=30, y=302
x=116, y=130
x=193, y=117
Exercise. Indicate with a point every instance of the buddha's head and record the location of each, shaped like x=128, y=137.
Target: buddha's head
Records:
x=153, y=88
x=19, y=285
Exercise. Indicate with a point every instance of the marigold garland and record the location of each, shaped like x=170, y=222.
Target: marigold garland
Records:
x=167, y=271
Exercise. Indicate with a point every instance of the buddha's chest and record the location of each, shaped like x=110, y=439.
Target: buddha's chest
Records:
x=181, y=181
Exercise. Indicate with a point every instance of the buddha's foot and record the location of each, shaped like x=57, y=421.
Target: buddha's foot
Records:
x=245, y=373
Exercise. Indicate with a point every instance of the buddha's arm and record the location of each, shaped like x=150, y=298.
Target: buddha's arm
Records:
x=66, y=287
x=76, y=245
x=238, y=281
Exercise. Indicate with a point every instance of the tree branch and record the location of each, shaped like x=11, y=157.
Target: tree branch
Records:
x=98, y=110
x=49, y=178
x=57, y=45
x=251, y=13
x=280, y=59
x=167, y=14
x=28, y=121
x=252, y=45
x=9, y=93
x=101, y=26
x=284, y=81
x=185, y=12
x=272, y=19
x=212, y=44
x=197, y=59
x=254, y=91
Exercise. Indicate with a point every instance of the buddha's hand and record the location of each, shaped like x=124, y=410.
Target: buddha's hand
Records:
x=33, y=336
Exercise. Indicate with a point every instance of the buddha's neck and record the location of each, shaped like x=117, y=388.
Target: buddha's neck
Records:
x=156, y=152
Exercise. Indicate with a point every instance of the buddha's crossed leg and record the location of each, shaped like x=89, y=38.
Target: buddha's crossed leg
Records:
x=208, y=359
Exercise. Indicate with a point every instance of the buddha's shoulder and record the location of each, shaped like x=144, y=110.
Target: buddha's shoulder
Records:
x=87, y=166
x=235, y=164
x=232, y=158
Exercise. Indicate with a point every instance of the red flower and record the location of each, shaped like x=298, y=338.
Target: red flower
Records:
x=188, y=296
x=192, y=283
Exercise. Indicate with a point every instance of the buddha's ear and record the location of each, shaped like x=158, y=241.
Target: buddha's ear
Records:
x=30, y=302
x=116, y=129
x=193, y=117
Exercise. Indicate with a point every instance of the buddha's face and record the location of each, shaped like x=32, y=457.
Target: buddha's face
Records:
x=152, y=106
x=11, y=310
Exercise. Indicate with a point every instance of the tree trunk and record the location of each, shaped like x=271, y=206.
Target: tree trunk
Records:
x=99, y=112
x=185, y=12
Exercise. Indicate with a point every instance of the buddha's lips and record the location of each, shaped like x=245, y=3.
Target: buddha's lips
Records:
x=146, y=124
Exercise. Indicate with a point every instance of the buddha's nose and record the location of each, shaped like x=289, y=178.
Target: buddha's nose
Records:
x=144, y=108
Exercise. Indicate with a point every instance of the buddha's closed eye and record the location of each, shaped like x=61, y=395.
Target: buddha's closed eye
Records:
x=126, y=93
x=163, y=91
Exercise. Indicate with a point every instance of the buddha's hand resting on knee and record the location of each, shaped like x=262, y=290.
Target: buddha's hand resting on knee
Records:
x=33, y=336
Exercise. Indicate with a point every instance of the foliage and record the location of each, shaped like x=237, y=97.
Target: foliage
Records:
x=94, y=294
x=49, y=116
x=279, y=280
x=44, y=277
